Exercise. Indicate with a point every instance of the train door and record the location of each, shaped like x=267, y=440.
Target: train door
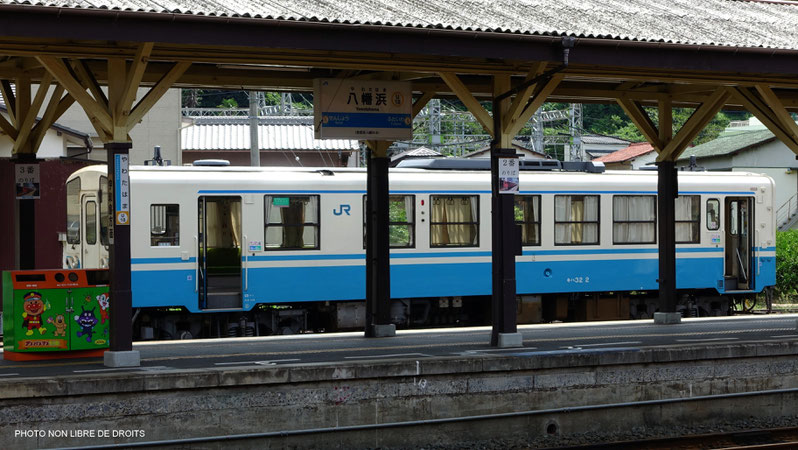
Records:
x=738, y=252
x=90, y=254
x=219, y=252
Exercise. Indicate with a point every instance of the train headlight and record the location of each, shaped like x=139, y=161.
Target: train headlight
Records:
x=104, y=263
x=72, y=262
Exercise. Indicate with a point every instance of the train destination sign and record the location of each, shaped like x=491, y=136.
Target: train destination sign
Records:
x=360, y=109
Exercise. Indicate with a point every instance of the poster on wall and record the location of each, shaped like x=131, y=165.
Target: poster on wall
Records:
x=26, y=180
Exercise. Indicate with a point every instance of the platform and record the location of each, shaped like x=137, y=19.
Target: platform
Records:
x=558, y=385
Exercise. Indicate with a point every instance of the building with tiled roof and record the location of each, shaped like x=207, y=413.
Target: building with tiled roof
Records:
x=634, y=156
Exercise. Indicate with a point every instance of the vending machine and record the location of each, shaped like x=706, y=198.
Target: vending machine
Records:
x=60, y=313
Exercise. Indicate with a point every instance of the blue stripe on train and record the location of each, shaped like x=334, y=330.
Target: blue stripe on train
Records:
x=298, y=284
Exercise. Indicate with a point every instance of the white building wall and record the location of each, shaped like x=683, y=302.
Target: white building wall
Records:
x=53, y=145
x=644, y=160
x=160, y=126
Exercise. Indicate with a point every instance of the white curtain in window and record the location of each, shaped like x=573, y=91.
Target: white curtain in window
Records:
x=634, y=208
x=685, y=210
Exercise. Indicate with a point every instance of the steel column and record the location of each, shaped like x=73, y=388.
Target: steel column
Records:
x=667, y=190
x=121, y=311
x=378, y=268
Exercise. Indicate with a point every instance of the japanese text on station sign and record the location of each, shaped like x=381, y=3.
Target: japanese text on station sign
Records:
x=358, y=109
x=121, y=190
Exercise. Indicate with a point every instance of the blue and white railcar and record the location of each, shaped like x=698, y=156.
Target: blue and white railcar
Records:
x=280, y=246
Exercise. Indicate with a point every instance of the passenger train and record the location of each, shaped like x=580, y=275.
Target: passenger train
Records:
x=219, y=251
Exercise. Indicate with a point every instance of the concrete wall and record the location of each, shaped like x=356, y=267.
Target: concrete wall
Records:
x=167, y=404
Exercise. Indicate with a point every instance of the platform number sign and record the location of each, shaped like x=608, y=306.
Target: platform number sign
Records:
x=26, y=180
x=508, y=175
x=122, y=190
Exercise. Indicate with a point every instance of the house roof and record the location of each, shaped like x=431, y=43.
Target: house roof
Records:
x=599, y=139
x=728, y=143
x=421, y=152
x=732, y=23
x=626, y=154
x=274, y=133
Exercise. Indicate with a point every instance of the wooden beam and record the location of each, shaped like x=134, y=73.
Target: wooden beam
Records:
x=759, y=109
x=379, y=149
x=22, y=144
x=88, y=80
x=98, y=114
x=7, y=128
x=421, y=102
x=465, y=96
x=642, y=121
x=700, y=118
x=522, y=98
x=55, y=108
x=665, y=113
x=501, y=84
x=9, y=99
x=540, y=96
x=156, y=93
x=117, y=73
x=779, y=111
x=134, y=77
x=23, y=99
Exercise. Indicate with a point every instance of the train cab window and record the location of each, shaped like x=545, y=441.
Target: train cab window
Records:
x=164, y=225
x=401, y=221
x=105, y=213
x=713, y=214
x=527, y=215
x=91, y=223
x=454, y=221
x=576, y=219
x=634, y=219
x=73, y=211
x=688, y=219
x=291, y=222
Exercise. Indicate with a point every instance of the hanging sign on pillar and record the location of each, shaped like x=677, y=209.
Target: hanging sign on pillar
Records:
x=122, y=190
x=362, y=109
x=26, y=179
x=508, y=174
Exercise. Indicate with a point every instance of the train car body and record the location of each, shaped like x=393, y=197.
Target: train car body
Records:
x=276, y=240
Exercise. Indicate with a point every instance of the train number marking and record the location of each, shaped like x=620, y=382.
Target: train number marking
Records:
x=578, y=280
x=342, y=209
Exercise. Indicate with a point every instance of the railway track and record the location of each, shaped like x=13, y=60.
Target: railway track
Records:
x=755, y=439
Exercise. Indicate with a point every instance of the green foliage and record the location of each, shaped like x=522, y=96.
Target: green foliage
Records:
x=610, y=120
x=787, y=263
x=228, y=103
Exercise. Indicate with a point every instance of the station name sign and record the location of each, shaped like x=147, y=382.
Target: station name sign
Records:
x=362, y=109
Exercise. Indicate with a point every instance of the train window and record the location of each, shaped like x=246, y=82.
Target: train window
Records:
x=713, y=214
x=164, y=225
x=73, y=211
x=454, y=221
x=527, y=215
x=401, y=221
x=105, y=212
x=576, y=219
x=91, y=223
x=634, y=219
x=688, y=219
x=291, y=222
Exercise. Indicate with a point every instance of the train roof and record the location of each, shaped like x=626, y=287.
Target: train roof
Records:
x=241, y=178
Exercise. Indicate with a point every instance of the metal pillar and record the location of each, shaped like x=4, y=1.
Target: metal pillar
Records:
x=506, y=243
x=378, y=266
x=26, y=221
x=121, y=312
x=668, y=190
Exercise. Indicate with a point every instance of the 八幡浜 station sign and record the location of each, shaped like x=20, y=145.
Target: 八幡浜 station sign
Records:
x=359, y=109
